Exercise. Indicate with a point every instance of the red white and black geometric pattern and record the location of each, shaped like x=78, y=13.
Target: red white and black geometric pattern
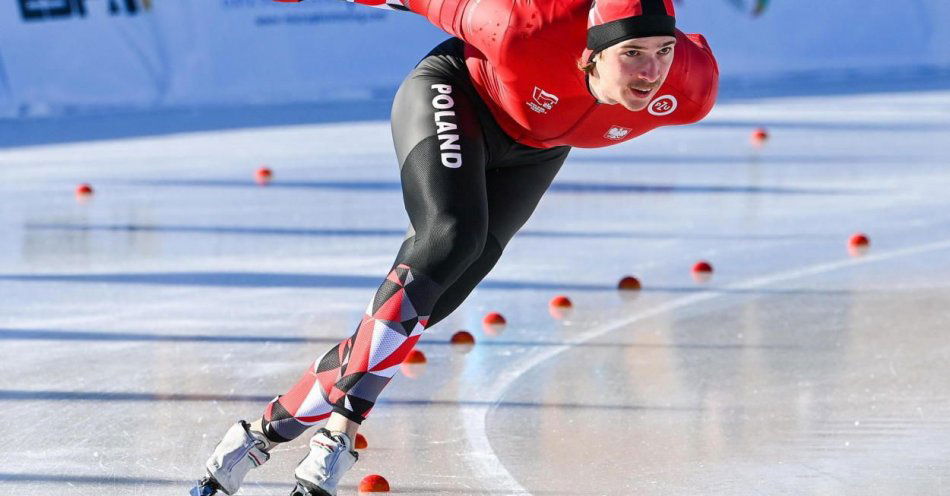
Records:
x=349, y=378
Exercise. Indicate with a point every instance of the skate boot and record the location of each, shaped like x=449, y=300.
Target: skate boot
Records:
x=236, y=454
x=331, y=455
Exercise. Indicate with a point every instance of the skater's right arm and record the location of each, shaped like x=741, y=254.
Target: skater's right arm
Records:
x=379, y=4
x=480, y=23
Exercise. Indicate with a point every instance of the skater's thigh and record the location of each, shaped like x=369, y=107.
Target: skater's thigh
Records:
x=441, y=151
x=436, y=103
x=514, y=192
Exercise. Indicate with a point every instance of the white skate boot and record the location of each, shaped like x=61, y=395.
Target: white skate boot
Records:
x=236, y=454
x=331, y=455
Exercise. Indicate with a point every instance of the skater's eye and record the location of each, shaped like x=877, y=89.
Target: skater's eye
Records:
x=665, y=50
x=632, y=53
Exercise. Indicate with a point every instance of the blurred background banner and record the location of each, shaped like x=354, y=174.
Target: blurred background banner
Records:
x=68, y=56
x=6, y=100
x=781, y=46
x=88, y=56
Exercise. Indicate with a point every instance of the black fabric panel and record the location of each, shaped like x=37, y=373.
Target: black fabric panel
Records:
x=282, y=426
x=447, y=206
x=352, y=416
x=466, y=283
x=653, y=7
x=605, y=35
x=330, y=360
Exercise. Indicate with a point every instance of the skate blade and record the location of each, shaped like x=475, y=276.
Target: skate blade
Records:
x=306, y=489
x=203, y=489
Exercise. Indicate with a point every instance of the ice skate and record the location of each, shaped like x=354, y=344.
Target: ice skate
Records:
x=236, y=454
x=331, y=455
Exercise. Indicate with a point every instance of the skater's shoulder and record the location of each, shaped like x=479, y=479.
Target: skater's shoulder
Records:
x=694, y=76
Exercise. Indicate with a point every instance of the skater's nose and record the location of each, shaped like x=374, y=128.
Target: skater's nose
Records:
x=649, y=70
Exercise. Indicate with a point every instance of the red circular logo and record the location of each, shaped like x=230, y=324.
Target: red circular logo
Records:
x=663, y=105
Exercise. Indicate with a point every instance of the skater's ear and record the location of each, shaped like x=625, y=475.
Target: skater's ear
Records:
x=588, y=67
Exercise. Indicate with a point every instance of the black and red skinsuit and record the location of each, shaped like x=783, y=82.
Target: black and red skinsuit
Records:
x=481, y=127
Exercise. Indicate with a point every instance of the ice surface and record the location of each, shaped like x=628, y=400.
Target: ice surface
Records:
x=136, y=327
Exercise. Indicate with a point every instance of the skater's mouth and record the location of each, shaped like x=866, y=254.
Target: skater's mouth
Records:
x=641, y=92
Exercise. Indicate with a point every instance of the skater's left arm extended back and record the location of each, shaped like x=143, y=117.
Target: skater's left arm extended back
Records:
x=380, y=4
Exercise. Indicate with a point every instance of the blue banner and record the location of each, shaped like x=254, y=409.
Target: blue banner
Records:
x=75, y=56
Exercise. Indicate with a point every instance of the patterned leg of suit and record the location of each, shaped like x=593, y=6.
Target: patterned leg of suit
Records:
x=349, y=377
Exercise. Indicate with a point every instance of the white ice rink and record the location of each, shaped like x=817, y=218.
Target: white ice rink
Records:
x=136, y=327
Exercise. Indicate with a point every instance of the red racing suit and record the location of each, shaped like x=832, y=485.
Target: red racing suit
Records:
x=523, y=59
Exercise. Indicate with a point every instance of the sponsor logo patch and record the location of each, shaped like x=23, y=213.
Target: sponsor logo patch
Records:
x=543, y=101
x=663, y=105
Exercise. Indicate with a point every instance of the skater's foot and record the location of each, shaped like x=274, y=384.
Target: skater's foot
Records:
x=331, y=455
x=236, y=454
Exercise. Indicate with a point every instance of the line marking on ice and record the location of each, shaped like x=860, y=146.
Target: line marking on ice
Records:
x=483, y=459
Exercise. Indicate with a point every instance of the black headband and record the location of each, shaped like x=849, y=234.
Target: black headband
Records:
x=604, y=35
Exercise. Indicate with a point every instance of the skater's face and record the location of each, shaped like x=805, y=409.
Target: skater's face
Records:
x=631, y=72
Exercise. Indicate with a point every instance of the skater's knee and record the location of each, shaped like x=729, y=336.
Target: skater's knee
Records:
x=466, y=237
x=457, y=242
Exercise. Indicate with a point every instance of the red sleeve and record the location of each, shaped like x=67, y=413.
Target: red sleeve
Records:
x=445, y=14
x=480, y=23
